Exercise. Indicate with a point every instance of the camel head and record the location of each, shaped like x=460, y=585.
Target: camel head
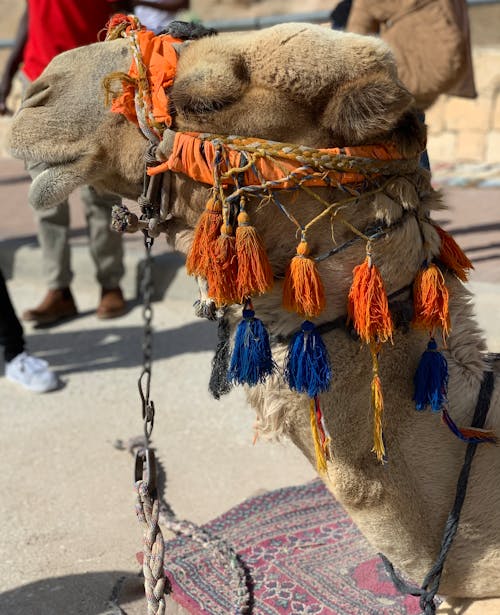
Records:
x=295, y=83
x=64, y=123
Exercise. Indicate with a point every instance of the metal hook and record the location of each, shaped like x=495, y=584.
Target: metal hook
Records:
x=145, y=469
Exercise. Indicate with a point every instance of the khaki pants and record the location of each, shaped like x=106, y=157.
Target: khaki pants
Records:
x=105, y=244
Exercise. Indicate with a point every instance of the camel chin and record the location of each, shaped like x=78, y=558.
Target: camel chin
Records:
x=54, y=185
x=66, y=131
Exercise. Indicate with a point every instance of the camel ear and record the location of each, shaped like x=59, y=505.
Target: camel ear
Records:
x=367, y=109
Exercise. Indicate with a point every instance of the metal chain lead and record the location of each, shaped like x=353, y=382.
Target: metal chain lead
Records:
x=148, y=476
x=144, y=382
x=147, y=503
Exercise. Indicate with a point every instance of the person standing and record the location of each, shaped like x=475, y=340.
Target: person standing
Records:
x=430, y=40
x=48, y=28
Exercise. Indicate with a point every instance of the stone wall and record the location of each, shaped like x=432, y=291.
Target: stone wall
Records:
x=468, y=131
x=463, y=130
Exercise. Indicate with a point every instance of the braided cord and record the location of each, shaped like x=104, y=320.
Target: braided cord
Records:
x=142, y=97
x=430, y=586
x=147, y=509
x=312, y=157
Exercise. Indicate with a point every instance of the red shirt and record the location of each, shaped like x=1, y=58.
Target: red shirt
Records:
x=55, y=26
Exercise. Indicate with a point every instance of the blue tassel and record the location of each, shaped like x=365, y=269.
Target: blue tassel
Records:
x=308, y=364
x=431, y=379
x=251, y=361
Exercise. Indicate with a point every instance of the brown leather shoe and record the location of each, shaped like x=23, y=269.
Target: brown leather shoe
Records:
x=57, y=305
x=112, y=303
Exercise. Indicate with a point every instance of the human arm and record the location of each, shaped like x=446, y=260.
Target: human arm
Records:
x=13, y=62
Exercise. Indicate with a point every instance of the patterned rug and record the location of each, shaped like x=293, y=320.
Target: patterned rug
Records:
x=303, y=554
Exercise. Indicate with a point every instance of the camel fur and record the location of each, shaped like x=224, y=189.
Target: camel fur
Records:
x=308, y=85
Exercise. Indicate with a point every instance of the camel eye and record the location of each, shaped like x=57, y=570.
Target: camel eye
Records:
x=209, y=88
x=200, y=106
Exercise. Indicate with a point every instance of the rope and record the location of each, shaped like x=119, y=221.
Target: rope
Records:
x=152, y=514
x=240, y=580
x=430, y=586
x=147, y=509
x=147, y=503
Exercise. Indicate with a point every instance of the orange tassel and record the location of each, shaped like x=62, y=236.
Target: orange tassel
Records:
x=222, y=274
x=254, y=269
x=431, y=298
x=303, y=290
x=452, y=256
x=368, y=306
x=207, y=231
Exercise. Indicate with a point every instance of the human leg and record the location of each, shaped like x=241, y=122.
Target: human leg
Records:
x=53, y=237
x=11, y=331
x=29, y=371
x=106, y=249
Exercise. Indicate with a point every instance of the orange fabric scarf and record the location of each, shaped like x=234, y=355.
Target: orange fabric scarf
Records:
x=160, y=61
x=190, y=158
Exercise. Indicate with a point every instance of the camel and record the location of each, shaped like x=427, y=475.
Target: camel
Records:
x=307, y=85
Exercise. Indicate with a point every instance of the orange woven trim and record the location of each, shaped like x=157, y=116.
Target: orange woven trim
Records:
x=190, y=159
x=160, y=59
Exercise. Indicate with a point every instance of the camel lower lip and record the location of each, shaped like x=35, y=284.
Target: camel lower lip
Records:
x=46, y=163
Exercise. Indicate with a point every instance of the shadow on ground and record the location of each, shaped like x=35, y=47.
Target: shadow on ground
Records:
x=89, y=593
x=117, y=347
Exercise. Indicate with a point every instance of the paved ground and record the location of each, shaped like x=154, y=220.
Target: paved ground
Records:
x=68, y=521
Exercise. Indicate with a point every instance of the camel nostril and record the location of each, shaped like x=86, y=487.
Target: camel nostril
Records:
x=37, y=93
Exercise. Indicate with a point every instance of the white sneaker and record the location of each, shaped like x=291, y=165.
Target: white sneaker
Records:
x=32, y=373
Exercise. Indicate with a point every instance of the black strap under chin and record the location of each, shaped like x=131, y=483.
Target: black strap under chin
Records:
x=430, y=586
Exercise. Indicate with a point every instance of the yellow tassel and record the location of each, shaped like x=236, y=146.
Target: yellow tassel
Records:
x=207, y=231
x=255, y=275
x=223, y=271
x=377, y=402
x=318, y=447
x=368, y=307
x=452, y=256
x=303, y=290
x=431, y=300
